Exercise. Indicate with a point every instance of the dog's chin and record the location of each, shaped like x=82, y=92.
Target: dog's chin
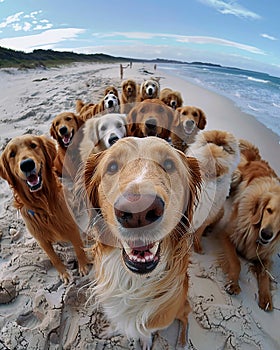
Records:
x=141, y=259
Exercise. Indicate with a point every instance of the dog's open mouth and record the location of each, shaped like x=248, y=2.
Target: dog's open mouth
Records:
x=66, y=139
x=34, y=181
x=143, y=259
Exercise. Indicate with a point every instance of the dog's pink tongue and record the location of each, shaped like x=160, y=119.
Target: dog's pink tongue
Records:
x=66, y=139
x=33, y=179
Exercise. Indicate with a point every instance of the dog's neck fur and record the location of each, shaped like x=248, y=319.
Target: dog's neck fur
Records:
x=129, y=300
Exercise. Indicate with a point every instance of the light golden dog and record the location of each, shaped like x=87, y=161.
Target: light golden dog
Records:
x=129, y=94
x=171, y=98
x=218, y=155
x=101, y=133
x=145, y=190
x=110, y=103
x=27, y=165
x=151, y=118
x=64, y=129
x=253, y=226
x=192, y=120
x=149, y=89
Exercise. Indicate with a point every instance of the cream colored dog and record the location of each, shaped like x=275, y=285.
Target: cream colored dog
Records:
x=101, y=133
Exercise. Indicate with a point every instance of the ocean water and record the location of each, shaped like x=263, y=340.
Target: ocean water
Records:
x=254, y=93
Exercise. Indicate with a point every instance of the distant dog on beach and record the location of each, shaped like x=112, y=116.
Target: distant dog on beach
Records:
x=27, y=165
x=146, y=191
x=218, y=155
x=110, y=103
x=129, y=95
x=191, y=121
x=64, y=129
x=101, y=133
x=252, y=228
x=171, y=98
x=151, y=117
x=149, y=89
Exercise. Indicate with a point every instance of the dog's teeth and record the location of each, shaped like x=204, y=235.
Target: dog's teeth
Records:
x=154, y=249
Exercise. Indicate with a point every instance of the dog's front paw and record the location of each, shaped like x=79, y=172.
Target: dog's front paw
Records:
x=83, y=270
x=65, y=277
x=232, y=288
x=265, y=302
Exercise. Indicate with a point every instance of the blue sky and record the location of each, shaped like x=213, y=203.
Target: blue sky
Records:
x=240, y=33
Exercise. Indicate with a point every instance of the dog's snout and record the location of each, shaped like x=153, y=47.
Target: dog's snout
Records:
x=150, y=91
x=63, y=130
x=266, y=234
x=110, y=103
x=138, y=210
x=189, y=123
x=113, y=139
x=27, y=165
x=151, y=123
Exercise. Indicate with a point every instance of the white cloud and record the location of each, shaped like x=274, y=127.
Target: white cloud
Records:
x=11, y=19
x=266, y=36
x=183, y=39
x=231, y=7
x=18, y=22
x=49, y=37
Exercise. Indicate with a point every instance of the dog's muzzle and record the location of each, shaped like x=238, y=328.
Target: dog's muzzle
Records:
x=33, y=177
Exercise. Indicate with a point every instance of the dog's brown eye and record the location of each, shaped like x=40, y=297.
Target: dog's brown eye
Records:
x=269, y=210
x=195, y=114
x=103, y=128
x=12, y=154
x=33, y=145
x=112, y=167
x=168, y=165
x=68, y=119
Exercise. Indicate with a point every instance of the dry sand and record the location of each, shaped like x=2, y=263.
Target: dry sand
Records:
x=37, y=311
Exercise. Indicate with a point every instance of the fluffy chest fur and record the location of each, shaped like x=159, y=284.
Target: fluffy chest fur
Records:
x=130, y=301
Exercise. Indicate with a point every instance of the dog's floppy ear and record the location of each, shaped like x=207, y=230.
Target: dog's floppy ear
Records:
x=5, y=171
x=49, y=149
x=194, y=183
x=202, y=119
x=131, y=121
x=257, y=208
x=92, y=178
x=53, y=132
x=79, y=121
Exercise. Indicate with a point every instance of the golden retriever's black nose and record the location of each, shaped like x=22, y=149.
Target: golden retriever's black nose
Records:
x=138, y=210
x=63, y=130
x=27, y=165
x=151, y=123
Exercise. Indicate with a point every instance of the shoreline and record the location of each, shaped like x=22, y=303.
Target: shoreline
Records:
x=47, y=314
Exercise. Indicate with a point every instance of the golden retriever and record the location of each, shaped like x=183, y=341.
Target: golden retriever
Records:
x=218, y=155
x=145, y=190
x=192, y=120
x=149, y=89
x=101, y=133
x=252, y=228
x=171, y=98
x=64, y=129
x=27, y=165
x=110, y=103
x=128, y=96
x=151, y=118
